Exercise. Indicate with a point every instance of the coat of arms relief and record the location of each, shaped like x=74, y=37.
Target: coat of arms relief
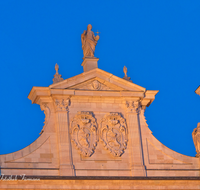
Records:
x=113, y=133
x=84, y=133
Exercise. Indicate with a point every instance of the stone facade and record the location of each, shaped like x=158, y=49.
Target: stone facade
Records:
x=95, y=126
x=95, y=136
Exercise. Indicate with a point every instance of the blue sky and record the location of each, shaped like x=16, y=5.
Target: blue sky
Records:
x=158, y=41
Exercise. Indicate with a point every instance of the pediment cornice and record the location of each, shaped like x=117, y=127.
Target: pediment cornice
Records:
x=111, y=81
x=93, y=83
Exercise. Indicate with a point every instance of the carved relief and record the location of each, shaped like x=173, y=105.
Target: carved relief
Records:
x=113, y=133
x=196, y=139
x=96, y=85
x=133, y=106
x=47, y=112
x=62, y=104
x=84, y=133
x=93, y=85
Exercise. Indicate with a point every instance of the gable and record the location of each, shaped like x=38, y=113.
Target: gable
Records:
x=96, y=84
x=97, y=79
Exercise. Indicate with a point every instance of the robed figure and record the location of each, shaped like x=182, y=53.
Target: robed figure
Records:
x=196, y=139
x=89, y=41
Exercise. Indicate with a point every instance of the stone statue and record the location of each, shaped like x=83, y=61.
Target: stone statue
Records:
x=196, y=139
x=89, y=41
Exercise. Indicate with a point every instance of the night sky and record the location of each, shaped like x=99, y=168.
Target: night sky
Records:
x=158, y=41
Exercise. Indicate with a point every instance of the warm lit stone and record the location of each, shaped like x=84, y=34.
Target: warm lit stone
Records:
x=118, y=142
x=95, y=126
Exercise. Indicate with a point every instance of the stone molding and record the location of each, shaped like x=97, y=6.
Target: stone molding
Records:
x=99, y=182
x=113, y=133
x=84, y=133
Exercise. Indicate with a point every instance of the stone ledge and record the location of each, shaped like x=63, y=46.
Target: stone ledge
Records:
x=18, y=177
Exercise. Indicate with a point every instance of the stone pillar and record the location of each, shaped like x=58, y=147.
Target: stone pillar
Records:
x=135, y=140
x=65, y=151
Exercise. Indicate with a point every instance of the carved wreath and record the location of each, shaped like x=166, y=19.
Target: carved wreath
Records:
x=113, y=133
x=84, y=133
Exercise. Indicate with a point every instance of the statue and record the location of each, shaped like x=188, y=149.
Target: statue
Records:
x=89, y=41
x=196, y=139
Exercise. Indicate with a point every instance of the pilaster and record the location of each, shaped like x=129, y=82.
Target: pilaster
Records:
x=65, y=151
x=135, y=141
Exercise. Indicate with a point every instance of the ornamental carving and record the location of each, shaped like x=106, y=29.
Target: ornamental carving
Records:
x=84, y=133
x=96, y=85
x=57, y=77
x=62, y=104
x=113, y=133
x=47, y=112
x=133, y=106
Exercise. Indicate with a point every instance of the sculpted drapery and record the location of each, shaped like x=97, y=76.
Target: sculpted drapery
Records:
x=196, y=139
x=89, y=41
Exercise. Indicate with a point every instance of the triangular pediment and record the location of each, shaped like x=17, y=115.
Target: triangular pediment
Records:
x=97, y=79
x=96, y=84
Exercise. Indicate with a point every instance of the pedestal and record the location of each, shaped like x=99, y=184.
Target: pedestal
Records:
x=89, y=63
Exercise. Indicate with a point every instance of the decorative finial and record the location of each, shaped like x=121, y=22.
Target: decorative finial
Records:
x=89, y=41
x=56, y=68
x=125, y=71
x=125, y=74
x=57, y=76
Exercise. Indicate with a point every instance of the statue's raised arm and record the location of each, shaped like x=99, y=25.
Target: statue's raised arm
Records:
x=96, y=37
x=89, y=41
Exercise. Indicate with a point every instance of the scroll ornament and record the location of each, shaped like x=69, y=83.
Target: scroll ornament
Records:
x=113, y=133
x=84, y=133
x=47, y=113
